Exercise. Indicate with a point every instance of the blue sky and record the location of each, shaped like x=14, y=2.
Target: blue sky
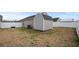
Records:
x=15, y=15
x=19, y=15
x=66, y=15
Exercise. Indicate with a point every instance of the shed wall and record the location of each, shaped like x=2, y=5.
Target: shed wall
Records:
x=28, y=22
x=38, y=22
x=48, y=24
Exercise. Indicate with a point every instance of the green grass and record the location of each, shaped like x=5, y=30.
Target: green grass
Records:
x=77, y=40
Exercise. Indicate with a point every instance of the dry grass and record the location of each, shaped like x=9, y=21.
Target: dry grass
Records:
x=21, y=37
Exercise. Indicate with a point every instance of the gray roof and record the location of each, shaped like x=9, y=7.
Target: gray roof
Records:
x=55, y=19
x=46, y=17
x=28, y=18
x=0, y=15
x=10, y=21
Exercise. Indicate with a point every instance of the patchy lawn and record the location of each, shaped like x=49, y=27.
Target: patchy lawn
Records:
x=22, y=37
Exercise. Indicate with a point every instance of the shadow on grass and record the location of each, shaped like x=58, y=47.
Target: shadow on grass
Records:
x=35, y=31
x=77, y=40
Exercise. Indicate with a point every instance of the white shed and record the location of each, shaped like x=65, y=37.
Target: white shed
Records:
x=42, y=22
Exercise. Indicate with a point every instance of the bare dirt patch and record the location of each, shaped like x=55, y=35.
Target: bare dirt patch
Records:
x=22, y=37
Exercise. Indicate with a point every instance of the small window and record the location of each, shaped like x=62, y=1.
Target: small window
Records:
x=29, y=26
x=13, y=27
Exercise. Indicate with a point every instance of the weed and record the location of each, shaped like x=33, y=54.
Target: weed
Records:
x=77, y=40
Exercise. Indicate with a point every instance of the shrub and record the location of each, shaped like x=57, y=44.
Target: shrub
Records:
x=77, y=40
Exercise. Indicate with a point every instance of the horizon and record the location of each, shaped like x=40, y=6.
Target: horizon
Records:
x=15, y=16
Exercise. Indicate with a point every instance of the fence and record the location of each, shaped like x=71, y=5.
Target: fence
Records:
x=64, y=24
x=77, y=27
x=68, y=24
x=10, y=24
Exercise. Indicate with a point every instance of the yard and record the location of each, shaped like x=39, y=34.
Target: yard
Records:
x=22, y=37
